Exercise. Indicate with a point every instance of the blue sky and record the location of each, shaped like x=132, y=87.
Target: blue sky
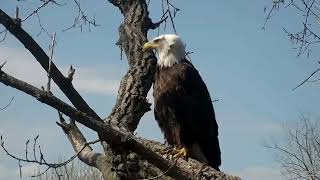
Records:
x=249, y=70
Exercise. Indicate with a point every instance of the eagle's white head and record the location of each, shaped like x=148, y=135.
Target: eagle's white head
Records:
x=170, y=49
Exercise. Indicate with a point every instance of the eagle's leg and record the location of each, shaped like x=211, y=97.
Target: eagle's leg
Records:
x=183, y=152
x=176, y=153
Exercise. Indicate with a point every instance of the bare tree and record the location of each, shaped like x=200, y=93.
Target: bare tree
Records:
x=307, y=38
x=300, y=156
x=125, y=156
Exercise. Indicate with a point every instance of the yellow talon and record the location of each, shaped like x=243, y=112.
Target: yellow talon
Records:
x=181, y=153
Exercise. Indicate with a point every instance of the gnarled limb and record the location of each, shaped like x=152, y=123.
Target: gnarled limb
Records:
x=85, y=152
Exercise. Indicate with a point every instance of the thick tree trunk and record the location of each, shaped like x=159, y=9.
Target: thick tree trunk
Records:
x=131, y=101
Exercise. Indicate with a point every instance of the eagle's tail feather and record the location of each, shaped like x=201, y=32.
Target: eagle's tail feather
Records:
x=211, y=150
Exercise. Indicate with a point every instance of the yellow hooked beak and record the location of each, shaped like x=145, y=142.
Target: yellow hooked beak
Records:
x=148, y=46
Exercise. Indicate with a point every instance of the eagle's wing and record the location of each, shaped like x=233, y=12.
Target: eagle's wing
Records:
x=198, y=118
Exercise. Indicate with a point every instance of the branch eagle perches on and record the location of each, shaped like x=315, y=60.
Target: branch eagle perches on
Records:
x=139, y=158
x=116, y=137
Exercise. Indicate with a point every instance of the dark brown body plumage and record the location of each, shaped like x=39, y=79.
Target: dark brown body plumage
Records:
x=184, y=111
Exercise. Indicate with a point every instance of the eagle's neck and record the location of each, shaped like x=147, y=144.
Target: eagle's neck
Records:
x=168, y=58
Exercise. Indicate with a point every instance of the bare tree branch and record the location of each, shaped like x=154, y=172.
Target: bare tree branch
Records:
x=50, y=61
x=309, y=12
x=63, y=83
x=42, y=161
x=37, y=9
x=81, y=19
x=299, y=157
x=85, y=152
x=115, y=137
x=304, y=81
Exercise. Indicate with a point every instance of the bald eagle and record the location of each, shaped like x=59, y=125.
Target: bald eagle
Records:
x=182, y=104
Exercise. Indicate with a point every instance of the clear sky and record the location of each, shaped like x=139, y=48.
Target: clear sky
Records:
x=249, y=70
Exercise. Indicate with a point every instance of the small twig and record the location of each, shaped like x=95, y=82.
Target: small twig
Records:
x=42, y=160
x=20, y=169
x=5, y=35
x=7, y=104
x=42, y=27
x=50, y=63
x=17, y=19
x=26, y=149
x=304, y=81
x=4, y=63
x=163, y=15
x=17, y=12
x=268, y=17
x=66, y=170
x=275, y=6
x=167, y=12
x=171, y=17
x=215, y=100
x=34, y=147
x=82, y=19
x=157, y=24
x=71, y=73
x=36, y=11
x=188, y=53
x=42, y=173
